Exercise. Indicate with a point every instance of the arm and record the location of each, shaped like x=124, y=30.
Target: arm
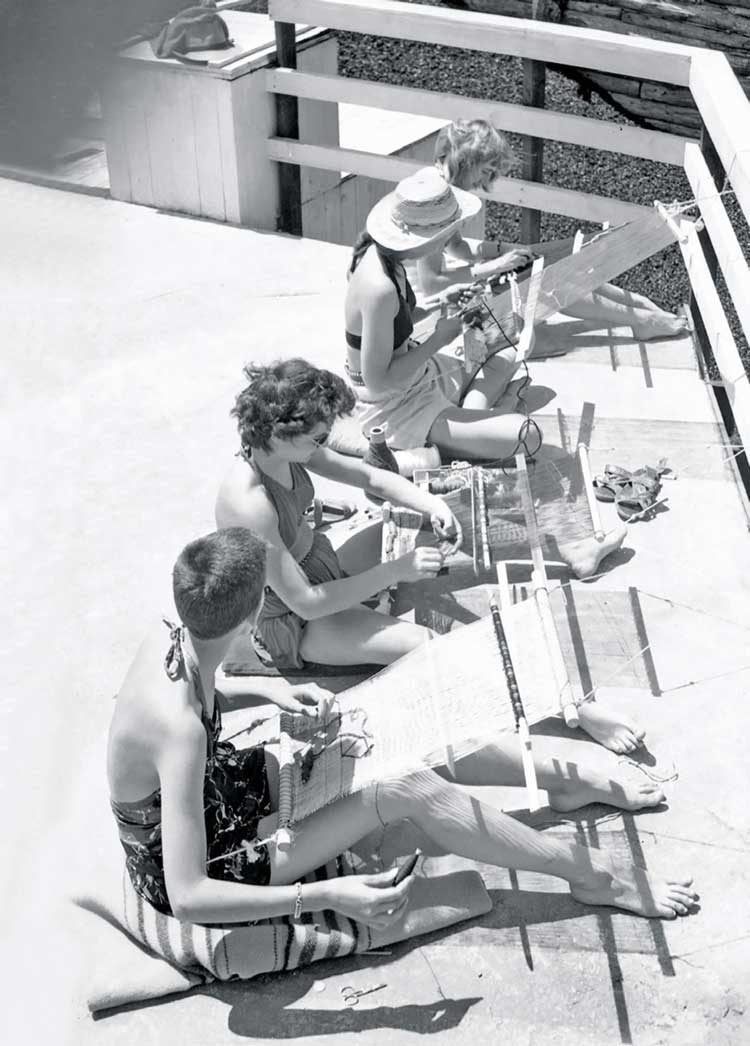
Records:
x=290, y=583
x=381, y=369
x=388, y=486
x=195, y=897
x=434, y=280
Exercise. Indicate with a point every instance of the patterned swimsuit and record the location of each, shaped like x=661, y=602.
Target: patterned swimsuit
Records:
x=236, y=796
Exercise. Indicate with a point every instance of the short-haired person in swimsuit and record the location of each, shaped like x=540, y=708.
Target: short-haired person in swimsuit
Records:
x=471, y=155
x=312, y=610
x=195, y=815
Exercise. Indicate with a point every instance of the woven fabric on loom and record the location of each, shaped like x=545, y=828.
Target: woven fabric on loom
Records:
x=559, y=498
x=449, y=691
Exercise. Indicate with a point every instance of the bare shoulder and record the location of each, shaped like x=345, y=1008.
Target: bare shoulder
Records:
x=242, y=500
x=152, y=712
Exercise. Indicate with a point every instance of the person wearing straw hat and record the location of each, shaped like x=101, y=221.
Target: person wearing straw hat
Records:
x=471, y=155
x=420, y=394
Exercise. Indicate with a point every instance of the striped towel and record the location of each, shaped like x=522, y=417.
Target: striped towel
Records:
x=192, y=954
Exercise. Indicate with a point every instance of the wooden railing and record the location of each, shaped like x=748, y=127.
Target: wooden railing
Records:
x=724, y=152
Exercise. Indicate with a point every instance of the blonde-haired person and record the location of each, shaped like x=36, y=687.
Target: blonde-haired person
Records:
x=471, y=154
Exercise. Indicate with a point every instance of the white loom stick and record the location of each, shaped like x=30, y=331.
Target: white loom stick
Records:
x=286, y=788
x=532, y=297
x=524, y=737
x=568, y=706
x=577, y=241
x=529, y=512
x=450, y=761
x=596, y=521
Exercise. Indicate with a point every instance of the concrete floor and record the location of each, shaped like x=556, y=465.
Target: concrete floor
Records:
x=125, y=333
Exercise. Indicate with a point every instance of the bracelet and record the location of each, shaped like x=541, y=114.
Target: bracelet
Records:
x=298, y=903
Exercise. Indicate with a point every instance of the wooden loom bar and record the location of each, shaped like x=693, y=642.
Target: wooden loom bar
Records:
x=539, y=584
x=527, y=504
x=588, y=486
x=568, y=707
x=564, y=45
x=512, y=191
x=481, y=481
x=507, y=116
x=502, y=627
x=527, y=333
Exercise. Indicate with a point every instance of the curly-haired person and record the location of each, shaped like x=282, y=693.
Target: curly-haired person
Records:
x=312, y=609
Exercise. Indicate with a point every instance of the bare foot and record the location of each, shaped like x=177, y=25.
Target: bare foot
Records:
x=659, y=324
x=610, y=728
x=622, y=786
x=584, y=556
x=622, y=885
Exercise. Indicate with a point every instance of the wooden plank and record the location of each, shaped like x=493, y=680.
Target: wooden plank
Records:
x=113, y=103
x=532, y=147
x=519, y=119
x=723, y=346
x=547, y=42
x=209, y=167
x=729, y=253
x=171, y=141
x=228, y=149
x=726, y=113
x=506, y=190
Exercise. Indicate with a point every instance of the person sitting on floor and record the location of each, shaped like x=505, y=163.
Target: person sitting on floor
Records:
x=471, y=154
x=191, y=810
x=312, y=611
x=421, y=393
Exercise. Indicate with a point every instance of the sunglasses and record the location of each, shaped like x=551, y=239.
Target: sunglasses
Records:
x=320, y=439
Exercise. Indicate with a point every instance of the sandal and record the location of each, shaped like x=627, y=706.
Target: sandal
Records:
x=635, y=499
x=322, y=513
x=610, y=484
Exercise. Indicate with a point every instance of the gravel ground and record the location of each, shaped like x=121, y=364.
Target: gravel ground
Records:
x=479, y=75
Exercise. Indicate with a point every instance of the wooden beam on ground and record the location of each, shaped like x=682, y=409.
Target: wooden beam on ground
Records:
x=519, y=119
x=506, y=190
x=728, y=252
x=718, y=332
x=614, y=53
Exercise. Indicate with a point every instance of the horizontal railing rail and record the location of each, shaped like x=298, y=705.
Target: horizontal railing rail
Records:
x=522, y=119
x=559, y=44
x=513, y=191
x=721, y=102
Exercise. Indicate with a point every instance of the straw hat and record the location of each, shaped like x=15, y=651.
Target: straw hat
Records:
x=422, y=208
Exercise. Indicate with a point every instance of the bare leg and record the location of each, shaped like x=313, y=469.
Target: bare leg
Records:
x=585, y=775
x=359, y=636
x=645, y=321
x=465, y=826
x=478, y=434
x=491, y=381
